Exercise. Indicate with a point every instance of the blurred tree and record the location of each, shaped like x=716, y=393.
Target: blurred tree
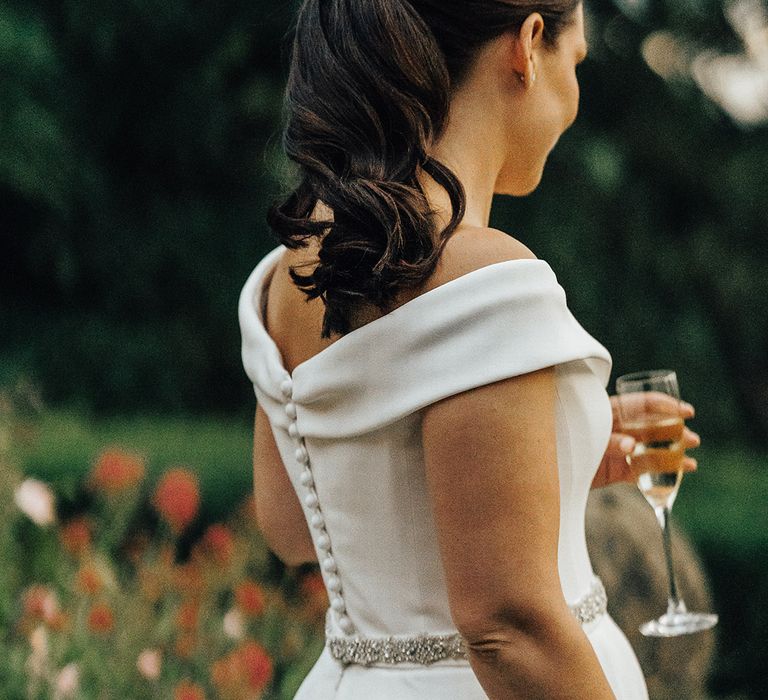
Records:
x=141, y=147
x=134, y=170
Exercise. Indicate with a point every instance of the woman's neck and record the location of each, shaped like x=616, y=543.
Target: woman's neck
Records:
x=472, y=147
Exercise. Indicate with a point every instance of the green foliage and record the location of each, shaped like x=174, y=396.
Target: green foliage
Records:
x=141, y=149
x=92, y=592
x=652, y=214
x=64, y=443
x=134, y=169
x=721, y=507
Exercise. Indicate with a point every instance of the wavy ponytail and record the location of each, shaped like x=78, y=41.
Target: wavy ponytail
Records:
x=368, y=92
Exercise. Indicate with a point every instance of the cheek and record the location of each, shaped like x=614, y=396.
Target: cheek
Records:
x=572, y=97
x=563, y=100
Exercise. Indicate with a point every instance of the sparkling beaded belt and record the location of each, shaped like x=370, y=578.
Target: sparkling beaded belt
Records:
x=428, y=648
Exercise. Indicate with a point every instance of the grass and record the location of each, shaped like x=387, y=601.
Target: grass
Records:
x=63, y=444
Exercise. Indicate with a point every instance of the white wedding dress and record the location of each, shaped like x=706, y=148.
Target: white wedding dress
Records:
x=347, y=424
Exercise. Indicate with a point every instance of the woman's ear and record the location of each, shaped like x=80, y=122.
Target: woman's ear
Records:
x=526, y=45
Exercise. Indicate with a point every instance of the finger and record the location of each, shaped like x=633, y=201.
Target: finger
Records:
x=619, y=448
x=690, y=439
x=650, y=402
x=690, y=464
x=625, y=443
x=615, y=411
x=659, y=402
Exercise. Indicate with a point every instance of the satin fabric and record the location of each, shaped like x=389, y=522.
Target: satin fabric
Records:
x=358, y=408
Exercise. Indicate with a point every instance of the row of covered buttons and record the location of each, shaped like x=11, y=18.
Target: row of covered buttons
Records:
x=323, y=541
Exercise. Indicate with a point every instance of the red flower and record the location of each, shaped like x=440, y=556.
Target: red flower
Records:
x=312, y=585
x=75, y=535
x=40, y=603
x=177, y=498
x=116, y=470
x=314, y=598
x=186, y=617
x=187, y=690
x=250, y=597
x=188, y=577
x=101, y=619
x=221, y=673
x=255, y=664
x=89, y=580
x=219, y=541
x=185, y=645
x=245, y=670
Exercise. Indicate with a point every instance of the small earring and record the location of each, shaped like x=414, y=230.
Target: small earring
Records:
x=533, y=76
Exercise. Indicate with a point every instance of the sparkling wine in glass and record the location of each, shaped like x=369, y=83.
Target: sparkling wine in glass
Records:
x=649, y=411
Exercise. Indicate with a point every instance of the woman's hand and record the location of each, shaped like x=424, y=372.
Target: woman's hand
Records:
x=614, y=467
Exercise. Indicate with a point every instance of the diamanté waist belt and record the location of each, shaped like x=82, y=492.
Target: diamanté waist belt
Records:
x=428, y=648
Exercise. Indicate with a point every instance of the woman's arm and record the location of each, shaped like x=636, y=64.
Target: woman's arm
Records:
x=491, y=464
x=278, y=511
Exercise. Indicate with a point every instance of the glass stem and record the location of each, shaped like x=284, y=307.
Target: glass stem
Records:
x=675, y=605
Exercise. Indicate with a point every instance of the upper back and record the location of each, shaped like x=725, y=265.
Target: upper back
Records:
x=295, y=323
x=442, y=397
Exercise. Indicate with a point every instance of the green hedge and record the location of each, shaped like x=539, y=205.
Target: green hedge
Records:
x=141, y=146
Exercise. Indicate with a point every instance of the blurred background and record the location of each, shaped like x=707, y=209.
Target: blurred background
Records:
x=141, y=147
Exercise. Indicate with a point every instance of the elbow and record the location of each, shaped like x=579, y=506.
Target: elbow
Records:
x=544, y=655
x=498, y=621
x=290, y=558
x=284, y=550
x=521, y=639
x=532, y=648
x=281, y=545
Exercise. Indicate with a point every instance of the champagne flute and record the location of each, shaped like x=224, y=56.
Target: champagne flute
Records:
x=649, y=411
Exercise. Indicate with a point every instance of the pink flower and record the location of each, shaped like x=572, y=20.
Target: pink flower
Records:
x=36, y=501
x=149, y=663
x=38, y=640
x=38, y=658
x=233, y=624
x=67, y=682
x=219, y=541
x=40, y=603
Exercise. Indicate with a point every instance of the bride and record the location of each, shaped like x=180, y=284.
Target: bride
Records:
x=430, y=416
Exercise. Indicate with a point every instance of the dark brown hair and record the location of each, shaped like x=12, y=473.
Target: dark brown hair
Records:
x=368, y=91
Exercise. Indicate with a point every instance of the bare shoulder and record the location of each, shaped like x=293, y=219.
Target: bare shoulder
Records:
x=473, y=247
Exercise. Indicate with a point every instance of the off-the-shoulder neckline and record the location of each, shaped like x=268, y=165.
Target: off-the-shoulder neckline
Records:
x=269, y=263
